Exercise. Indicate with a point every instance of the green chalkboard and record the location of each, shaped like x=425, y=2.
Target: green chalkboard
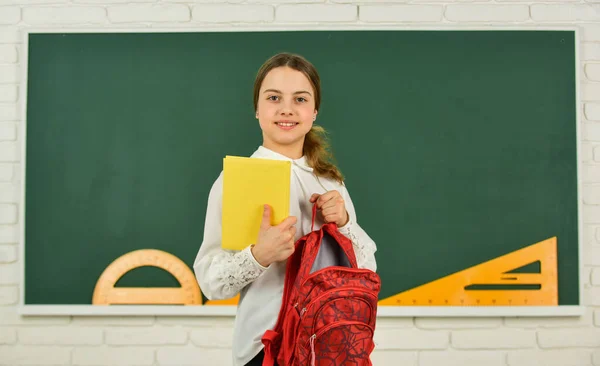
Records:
x=457, y=146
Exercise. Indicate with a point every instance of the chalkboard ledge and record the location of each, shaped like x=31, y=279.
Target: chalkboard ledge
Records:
x=383, y=311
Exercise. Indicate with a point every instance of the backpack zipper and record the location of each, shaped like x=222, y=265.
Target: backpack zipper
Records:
x=312, y=349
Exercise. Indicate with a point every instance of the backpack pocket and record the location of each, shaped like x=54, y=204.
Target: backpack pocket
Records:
x=341, y=343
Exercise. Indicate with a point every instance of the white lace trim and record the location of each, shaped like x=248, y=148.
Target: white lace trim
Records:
x=236, y=270
x=363, y=250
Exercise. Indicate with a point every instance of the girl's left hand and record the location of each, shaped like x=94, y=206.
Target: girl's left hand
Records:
x=332, y=207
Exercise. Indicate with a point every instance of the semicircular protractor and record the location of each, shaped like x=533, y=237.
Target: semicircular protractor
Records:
x=105, y=292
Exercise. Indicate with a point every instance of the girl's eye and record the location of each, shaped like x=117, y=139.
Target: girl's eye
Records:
x=273, y=97
x=301, y=99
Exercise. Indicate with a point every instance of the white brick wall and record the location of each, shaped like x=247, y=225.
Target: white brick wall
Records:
x=504, y=338
x=401, y=13
x=232, y=13
x=316, y=13
x=154, y=341
x=559, y=357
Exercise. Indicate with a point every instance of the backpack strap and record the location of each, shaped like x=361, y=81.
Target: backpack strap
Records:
x=272, y=337
x=297, y=269
x=309, y=251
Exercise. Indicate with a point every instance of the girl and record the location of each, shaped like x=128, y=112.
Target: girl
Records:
x=287, y=97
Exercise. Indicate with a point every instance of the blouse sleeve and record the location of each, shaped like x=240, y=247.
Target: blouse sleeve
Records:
x=364, y=246
x=222, y=274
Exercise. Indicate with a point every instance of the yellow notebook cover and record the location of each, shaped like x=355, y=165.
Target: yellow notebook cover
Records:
x=249, y=184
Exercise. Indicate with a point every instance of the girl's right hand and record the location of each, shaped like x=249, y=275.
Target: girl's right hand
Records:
x=275, y=243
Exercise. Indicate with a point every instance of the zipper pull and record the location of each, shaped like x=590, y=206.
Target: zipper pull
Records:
x=302, y=312
x=312, y=349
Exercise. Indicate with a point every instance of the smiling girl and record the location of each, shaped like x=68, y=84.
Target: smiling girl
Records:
x=287, y=97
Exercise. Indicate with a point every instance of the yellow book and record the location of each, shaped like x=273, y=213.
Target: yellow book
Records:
x=249, y=184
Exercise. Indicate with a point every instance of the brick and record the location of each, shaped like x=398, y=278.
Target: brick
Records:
x=104, y=2
x=592, y=112
x=591, y=234
x=591, y=194
x=587, y=151
x=493, y=339
x=589, y=32
x=9, y=274
x=390, y=357
x=595, y=239
x=10, y=34
x=149, y=13
x=596, y=358
x=487, y=13
x=562, y=357
x=8, y=214
x=9, y=295
x=457, y=323
x=115, y=356
x=590, y=92
x=64, y=15
x=8, y=93
x=401, y=13
x=591, y=214
x=461, y=358
x=60, y=335
x=146, y=336
x=10, y=14
x=591, y=51
x=566, y=337
x=142, y=321
x=597, y=318
x=8, y=112
x=9, y=151
x=595, y=278
x=8, y=54
x=596, y=153
x=8, y=131
x=559, y=12
x=395, y=323
x=227, y=13
x=316, y=13
x=586, y=276
x=9, y=74
x=281, y=1
x=8, y=253
x=591, y=131
x=184, y=356
x=591, y=296
x=8, y=234
x=412, y=339
x=213, y=337
x=592, y=72
x=7, y=336
x=9, y=316
x=591, y=255
x=200, y=321
x=34, y=355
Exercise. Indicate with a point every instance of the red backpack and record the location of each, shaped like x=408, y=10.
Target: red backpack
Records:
x=328, y=314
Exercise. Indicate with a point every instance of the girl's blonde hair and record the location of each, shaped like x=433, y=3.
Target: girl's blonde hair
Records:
x=316, y=144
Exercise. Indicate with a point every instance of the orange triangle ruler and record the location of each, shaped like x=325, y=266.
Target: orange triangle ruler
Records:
x=491, y=283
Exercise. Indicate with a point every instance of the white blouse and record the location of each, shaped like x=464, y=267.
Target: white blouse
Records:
x=222, y=274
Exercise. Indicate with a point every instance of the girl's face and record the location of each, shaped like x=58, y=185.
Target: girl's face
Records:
x=285, y=110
